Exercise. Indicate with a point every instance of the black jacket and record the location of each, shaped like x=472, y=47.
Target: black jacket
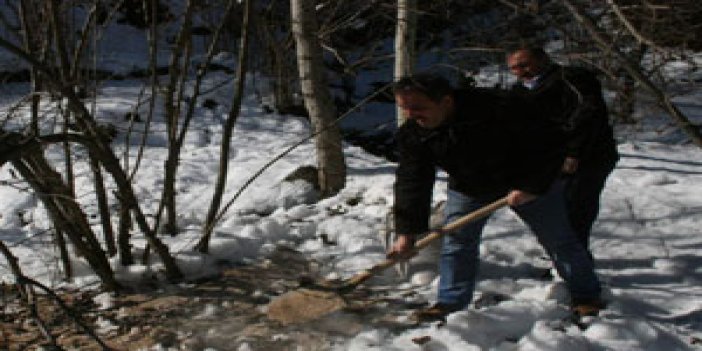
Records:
x=491, y=144
x=572, y=98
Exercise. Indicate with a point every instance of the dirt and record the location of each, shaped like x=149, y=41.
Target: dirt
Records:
x=227, y=312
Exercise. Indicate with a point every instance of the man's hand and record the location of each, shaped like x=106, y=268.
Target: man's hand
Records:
x=402, y=248
x=519, y=197
x=570, y=165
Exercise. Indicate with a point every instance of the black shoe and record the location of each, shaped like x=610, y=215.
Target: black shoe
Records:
x=587, y=307
x=436, y=312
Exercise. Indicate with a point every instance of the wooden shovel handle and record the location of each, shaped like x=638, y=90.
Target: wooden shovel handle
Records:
x=424, y=242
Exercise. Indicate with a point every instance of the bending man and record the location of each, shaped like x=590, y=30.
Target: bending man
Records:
x=488, y=151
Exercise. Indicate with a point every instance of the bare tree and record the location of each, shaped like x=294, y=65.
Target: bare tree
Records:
x=28, y=159
x=232, y=116
x=97, y=144
x=173, y=98
x=30, y=19
x=318, y=99
x=275, y=39
x=635, y=71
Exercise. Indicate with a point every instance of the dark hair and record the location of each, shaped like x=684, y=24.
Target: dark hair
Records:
x=432, y=85
x=536, y=52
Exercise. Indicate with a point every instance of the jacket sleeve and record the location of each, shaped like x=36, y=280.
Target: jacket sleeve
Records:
x=588, y=113
x=414, y=183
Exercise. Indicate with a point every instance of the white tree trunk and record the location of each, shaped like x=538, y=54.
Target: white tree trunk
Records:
x=405, y=37
x=318, y=99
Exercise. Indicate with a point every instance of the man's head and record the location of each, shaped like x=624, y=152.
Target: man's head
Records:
x=425, y=98
x=527, y=62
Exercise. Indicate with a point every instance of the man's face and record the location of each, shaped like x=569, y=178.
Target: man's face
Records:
x=524, y=65
x=426, y=112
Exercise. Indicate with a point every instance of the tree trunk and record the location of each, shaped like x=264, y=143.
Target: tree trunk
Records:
x=13, y=263
x=278, y=63
x=64, y=69
x=61, y=205
x=634, y=70
x=125, y=225
x=30, y=45
x=234, y=109
x=405, y=37
x=103, y=206
x=172, y=106
x=318, y=99
x=149, y=7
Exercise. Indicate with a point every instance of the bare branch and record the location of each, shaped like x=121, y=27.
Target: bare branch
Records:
x=680, y=119
x=69, y=311
x=629, y=26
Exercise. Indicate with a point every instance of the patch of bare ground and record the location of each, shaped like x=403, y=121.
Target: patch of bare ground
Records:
x=226, y=312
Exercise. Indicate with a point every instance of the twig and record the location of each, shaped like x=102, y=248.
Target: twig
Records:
x=629, y=26
x=27, y=295
x=71, y=313
x=152, y=38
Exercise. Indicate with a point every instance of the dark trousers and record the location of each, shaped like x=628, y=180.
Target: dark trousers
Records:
x=583, y=191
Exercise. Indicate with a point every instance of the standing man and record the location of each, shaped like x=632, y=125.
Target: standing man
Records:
x=488, y=152
x=571, y=98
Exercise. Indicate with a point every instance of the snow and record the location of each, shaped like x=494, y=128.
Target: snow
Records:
x=646, y=241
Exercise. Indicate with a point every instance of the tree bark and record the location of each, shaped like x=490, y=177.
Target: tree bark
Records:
x=124, y=248
x=103, y=206
x=172, y=105
x=277, y=61
x=405, y=37
x=318, y=99
x=30, y=45
x=234, y=110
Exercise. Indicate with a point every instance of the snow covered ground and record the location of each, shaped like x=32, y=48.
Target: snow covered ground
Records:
x=646, y=241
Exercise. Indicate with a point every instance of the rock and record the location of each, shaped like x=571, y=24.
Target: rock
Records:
x=304, y=305
x=163, y=303
x=306, y=173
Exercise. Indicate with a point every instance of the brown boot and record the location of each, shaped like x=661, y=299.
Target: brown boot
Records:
x=436, y=312
x=587, y=307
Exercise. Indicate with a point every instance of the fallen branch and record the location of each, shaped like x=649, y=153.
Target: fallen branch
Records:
x=27, y=296
x=69, y=311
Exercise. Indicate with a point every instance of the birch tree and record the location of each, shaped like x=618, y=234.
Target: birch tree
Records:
x=317, y=97
x=405, y=37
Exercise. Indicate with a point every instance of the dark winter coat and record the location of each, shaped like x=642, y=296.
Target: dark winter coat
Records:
x=572, y=98
x=489, y=146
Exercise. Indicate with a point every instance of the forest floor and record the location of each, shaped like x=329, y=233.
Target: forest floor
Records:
x=227, y=312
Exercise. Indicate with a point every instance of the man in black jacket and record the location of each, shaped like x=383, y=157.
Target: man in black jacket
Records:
x=571, y=98
x=489, y=150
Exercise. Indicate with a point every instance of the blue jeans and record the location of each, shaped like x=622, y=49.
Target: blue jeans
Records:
x=546, y=217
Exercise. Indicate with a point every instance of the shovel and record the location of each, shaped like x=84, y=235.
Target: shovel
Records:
x=319, y=299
